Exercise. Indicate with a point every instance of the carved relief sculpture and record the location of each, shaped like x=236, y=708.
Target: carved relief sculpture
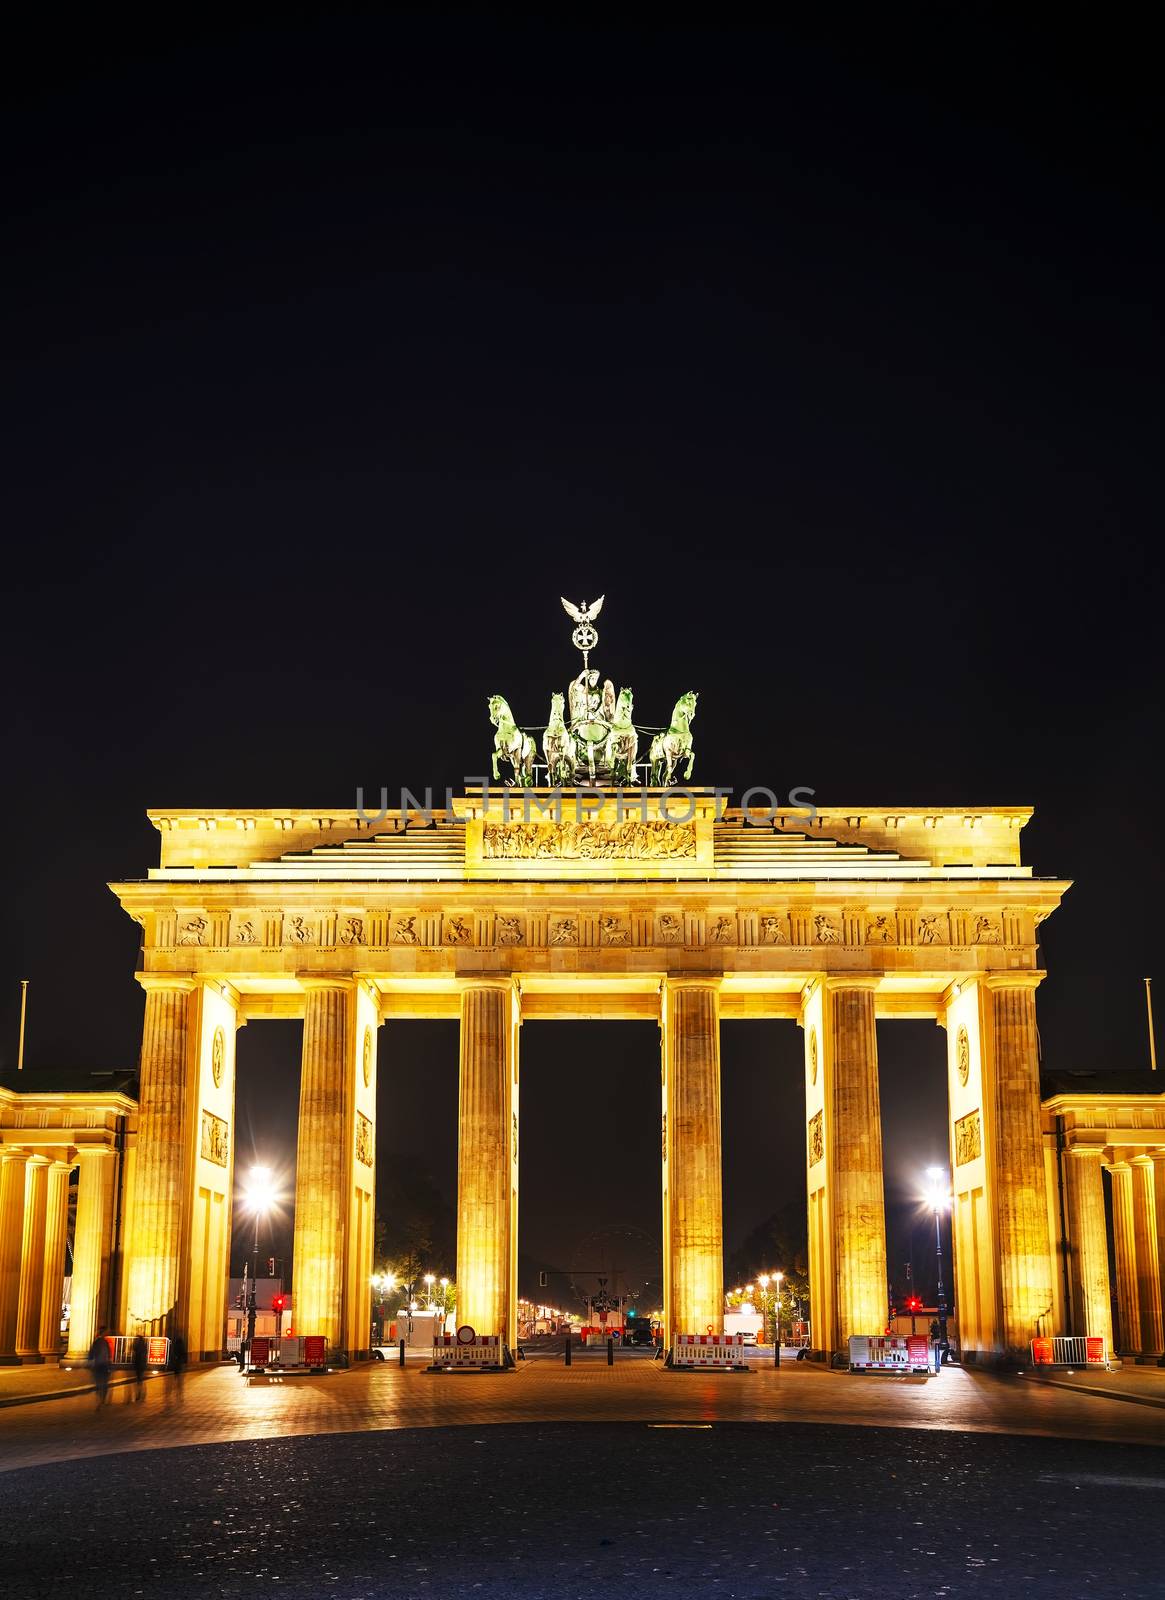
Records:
x=364, y=1143
x=215, y=1139
x=963, y=1057
x=218, y=1054
x=405, y=931
x=353, y=931
x=812, y=1055
x=986, y=930
x=588, y=841
x=722, y=931
x=772, y=930
x=564, y=930
x=669, y=929
x=825, y=930
x=245, y=933
x=881, y=930
x=193, y=932
x=968, y=1139
x=816, y=1140
x=298, y=932
x=457, y=931
x=510, y=930
x=367, y=1062
x=931, y=930
x=612, y=931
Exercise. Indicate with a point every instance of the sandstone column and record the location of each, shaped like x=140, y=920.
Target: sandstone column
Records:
x=1023, y=1246
x=853, y=1144
x=13, y=1164
x=487, y=1157
x=1148, y=1267
x=1085, y=1186
x=694, y=1228
x=322, y=1171
x=92, y=1243
x=153, y=1237
x=1158, y=1159
x=32, y=1252
x=53, y=1275
x=1124, y=1240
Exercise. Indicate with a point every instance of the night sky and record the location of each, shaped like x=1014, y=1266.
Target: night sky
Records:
x=337, y=349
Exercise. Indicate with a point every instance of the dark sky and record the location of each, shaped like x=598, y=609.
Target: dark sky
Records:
x=336, y=349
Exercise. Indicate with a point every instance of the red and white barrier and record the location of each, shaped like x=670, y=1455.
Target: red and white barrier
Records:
x=708, y=1350
x=889, y=1352
x=482, y=1350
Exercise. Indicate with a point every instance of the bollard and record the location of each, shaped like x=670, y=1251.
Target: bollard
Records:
x=566, y=1352
x=777, y=1351
x=610, y=1351
x=402, y=1352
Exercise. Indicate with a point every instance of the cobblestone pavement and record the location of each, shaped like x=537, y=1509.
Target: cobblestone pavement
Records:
x=566, y=1510
x=218, y=1405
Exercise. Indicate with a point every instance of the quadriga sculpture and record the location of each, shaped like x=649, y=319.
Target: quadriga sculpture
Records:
x=511, y=744
x=669, y=749
x=558, y=746
x=622, y=741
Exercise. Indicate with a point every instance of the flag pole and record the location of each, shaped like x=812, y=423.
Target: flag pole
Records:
x=23, y=1009
x=1149, y=1010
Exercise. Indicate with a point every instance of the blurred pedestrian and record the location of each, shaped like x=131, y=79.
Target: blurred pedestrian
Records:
x=177, y=1363
x=138, y=1357
x=101, y=1365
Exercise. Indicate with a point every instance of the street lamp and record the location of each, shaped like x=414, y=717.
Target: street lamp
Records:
x=938, y=1197
x=763, y=1279
x=778, y=1279
x=259, y=1197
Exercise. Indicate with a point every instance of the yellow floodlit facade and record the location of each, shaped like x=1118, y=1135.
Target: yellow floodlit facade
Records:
x=498, y=920
x=499, y=917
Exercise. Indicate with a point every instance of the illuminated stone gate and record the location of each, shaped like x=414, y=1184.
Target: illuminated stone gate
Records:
x=857, y=915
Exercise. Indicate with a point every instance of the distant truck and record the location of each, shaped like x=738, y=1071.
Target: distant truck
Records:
x=745, y=1321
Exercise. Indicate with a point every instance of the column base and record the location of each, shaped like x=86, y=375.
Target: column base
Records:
x=30, y=1358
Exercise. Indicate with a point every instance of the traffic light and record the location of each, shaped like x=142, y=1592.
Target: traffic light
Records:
x=914, y=1303
x=270, y=1266
x=542, y=1280
x=277, y=1303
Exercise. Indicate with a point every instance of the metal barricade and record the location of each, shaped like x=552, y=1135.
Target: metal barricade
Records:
x=1069, y=1350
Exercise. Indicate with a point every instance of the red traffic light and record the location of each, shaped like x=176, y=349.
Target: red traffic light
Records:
x=914, y=1303
x=277, y=1303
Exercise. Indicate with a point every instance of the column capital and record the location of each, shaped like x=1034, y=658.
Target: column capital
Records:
x=325, y=980
x=857, y=980
x=12, y=1154
x=692, y=980
x=176, y=982
x=505, y=981
x=1157, y=1155
x=1081, y=1151
x=1031, y=978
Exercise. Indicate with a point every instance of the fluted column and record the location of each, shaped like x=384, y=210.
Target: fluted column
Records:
x=1158, y=1159
x=53, y=1273
x=93, y=1240
x=1085, y=1183
x=487, y=1174
x=163, y=1161
x=695, y=1228
x=321, y=1171
x=1148, y=1268
x=13, y=1164
x=1125, y=1243
x=853, y=1143
x=1022, y=1240
x=32, y=1260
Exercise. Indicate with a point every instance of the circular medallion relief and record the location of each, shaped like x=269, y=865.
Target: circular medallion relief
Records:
x=963, y=1056
x=368, y=1058
x=218, y=1056
x=813, y=1055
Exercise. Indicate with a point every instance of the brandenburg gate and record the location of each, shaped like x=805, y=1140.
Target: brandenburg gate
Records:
x=590, y=887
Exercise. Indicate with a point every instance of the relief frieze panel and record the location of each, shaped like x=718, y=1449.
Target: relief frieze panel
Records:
x=216, y=1139
x=968, y=1139
x=588, y=841
x=816, y=1139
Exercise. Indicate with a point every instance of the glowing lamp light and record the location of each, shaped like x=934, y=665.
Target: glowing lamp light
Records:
x=937, y=1189
x=260, y=1190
